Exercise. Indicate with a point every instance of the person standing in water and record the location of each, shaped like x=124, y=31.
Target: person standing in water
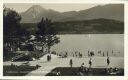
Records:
x=71, y=62
x=107, y=53
x=103, y=54
x=90, y=63
x=108, y=61
x=112, y=51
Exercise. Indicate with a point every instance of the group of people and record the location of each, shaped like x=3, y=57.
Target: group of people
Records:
x=89, y=54
x=90, y=62
x=83, y=69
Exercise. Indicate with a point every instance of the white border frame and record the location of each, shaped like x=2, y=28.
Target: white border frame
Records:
x=67, y=77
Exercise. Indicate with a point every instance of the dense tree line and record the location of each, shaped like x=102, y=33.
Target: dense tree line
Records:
x=102, y=26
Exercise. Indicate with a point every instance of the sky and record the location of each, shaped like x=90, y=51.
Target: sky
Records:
x=21, y=7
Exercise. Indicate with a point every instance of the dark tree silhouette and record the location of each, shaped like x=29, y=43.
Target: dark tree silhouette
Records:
x=46, y=34
x=12, y=31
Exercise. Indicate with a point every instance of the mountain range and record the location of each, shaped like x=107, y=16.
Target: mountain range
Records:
x=109, y=11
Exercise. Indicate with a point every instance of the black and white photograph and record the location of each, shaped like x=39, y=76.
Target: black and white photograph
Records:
x=80, y=39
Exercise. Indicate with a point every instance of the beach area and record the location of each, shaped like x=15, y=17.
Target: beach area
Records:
x=47, y=66
x=79, y=48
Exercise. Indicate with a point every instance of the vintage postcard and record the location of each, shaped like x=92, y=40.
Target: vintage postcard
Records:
x=63, y=39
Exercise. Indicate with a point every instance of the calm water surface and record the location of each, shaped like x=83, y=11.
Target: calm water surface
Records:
x=91, y=42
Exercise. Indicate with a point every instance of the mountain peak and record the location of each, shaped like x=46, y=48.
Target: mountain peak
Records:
x=35, y=8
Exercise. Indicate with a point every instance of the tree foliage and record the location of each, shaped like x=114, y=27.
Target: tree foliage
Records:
x=46, y=33
x=13, y=33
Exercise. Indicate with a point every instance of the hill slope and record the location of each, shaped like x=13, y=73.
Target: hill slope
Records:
x=110, y=11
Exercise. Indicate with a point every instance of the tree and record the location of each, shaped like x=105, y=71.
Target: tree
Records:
x=46, y=34
x=13, y=33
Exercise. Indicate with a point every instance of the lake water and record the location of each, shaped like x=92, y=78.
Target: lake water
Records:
x=111, y=43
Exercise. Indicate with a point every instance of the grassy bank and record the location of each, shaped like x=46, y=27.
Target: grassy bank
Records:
x=21, y=70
